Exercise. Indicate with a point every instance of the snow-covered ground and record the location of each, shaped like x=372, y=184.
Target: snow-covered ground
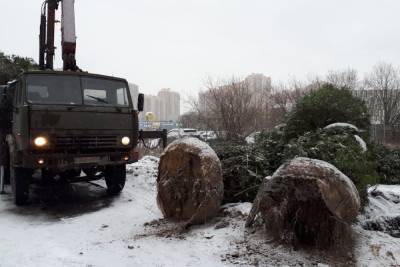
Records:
x=80, y=225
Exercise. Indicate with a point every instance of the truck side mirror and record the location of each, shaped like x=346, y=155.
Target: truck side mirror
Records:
x=140, y=104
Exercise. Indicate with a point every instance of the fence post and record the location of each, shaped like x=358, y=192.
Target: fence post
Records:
x=2, y=179
x=164, y=138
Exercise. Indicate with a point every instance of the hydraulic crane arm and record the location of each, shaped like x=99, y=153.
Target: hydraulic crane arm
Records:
x=68, y=39
x=68, y=35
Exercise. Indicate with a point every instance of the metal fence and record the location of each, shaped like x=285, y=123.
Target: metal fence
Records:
x=143, y=125
x=383, y=134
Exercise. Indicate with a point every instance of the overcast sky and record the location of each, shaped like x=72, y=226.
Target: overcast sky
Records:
x=178, y=43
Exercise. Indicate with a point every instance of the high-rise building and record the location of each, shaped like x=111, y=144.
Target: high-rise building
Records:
x=169, y=104
x=134, y=90
x=165, y=105
x=204, y=97
x=258, y=82
x=152, y=104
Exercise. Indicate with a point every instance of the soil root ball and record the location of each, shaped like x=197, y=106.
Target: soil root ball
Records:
x=190, y=185
x=307, y=201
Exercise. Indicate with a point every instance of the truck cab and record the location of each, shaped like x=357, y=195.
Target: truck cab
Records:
x=69, y=126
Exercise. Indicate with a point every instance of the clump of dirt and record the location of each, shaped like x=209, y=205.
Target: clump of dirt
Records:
x=189, y=183
x=258, y=248
x=162, y=228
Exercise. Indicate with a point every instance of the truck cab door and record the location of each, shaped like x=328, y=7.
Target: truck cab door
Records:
x=20, y=117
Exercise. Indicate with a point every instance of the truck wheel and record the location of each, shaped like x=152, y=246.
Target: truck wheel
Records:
x=20, y=180
x=6, y=175
x=115, y=178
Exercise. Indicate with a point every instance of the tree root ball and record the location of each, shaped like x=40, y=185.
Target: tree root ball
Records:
x=190, y=185
x=307, y=201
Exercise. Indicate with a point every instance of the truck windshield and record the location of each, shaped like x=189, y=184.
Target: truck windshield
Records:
x=75, y=90
x=104, y=92
x=53, y=89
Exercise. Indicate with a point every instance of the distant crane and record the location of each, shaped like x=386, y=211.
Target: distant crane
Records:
x=68, y=39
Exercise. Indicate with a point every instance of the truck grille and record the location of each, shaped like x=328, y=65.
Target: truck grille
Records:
x=85, y=142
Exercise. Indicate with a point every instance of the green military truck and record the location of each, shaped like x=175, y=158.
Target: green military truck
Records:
x=66, y=125
x=58, y=125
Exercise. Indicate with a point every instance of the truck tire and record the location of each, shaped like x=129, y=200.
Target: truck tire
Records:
x=20, y=180
x=115, y=178
x=7, y=169
x=6, y=175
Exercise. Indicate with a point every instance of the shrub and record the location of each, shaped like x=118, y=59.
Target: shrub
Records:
x=243, y=169
x=388, y=164
x=340, y=148
x=245, y=166
x=271, y=145
x=325, y=106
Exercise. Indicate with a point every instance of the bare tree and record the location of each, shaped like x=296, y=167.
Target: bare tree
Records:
x=344, y=79
x=232, y=108
x=383, y=93
x=190, y=120
x=200, y=115
x=285, y=97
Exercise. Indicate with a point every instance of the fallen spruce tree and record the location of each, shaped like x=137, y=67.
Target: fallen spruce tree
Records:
x=243, y=169
x=341, y=147
x=189, y=183
x=245, y=166
x=307, y=201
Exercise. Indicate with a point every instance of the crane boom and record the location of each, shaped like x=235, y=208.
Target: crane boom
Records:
x=68, y=36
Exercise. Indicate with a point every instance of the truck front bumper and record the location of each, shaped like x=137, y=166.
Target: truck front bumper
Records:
x=61, y=161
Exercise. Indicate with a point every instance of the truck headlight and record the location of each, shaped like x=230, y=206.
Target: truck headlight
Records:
x=40, y=141
x=125, y=140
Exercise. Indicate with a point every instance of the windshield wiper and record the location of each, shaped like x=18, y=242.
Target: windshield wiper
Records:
x=98, y=99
